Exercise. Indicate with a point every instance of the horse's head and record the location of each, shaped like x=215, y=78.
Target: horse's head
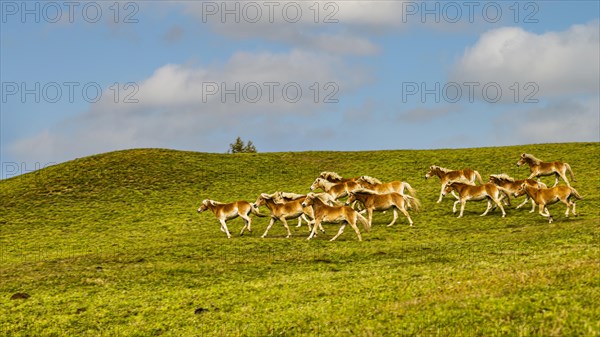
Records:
x=430, y=172
x=522, y=160
x=448, y=188
x=521, y=190
x=204, y=205
x=317, y=184
x=309, y=200
x=261, y=200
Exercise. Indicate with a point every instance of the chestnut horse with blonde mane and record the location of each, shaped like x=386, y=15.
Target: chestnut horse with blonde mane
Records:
x=446, y=176
x=229, y=211
x=333, y=214
x=549, y=196
x=539, y=168
x=512, y=185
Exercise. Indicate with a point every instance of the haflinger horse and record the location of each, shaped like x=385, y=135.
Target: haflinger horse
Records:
x=446, y=176
x=336, y=190
x=376, y=185
x=229, y=211
x=549, y=196
x=539, y=168
x=334, y=177
x=466, y=192
x=281, y=211
x=374, y=201
x=283, y=197
x=333, y=214
x=512, y=185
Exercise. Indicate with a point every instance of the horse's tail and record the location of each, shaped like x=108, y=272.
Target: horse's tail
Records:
x=412, y=202
x=364, y=221
x=576, y=194
x=411, y=191
x=570, y=171
x=478, y=176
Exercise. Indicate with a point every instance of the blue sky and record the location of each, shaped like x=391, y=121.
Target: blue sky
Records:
x=387, y=75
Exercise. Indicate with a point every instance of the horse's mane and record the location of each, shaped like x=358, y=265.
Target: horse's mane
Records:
x=532, y=158
x=503, y=176
x=370, y=180
x=212, y=201
x=443, y=169
x=330, y=175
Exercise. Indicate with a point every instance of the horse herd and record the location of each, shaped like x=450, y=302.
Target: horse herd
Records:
x=368, y=194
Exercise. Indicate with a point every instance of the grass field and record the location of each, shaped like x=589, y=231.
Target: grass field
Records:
x=111, y=245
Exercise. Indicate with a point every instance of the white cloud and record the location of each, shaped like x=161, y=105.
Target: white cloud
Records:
x=173, y=112
x=560, y=63
x=568, y=120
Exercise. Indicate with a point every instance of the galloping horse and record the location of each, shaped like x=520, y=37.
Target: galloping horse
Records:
x=374, y=184
x=512, y=185
x=225, y=212
x=466, y=192
x=539, y=168
x=382, y=202
x=281, y=211
x=549, y=196
x=446, y=176
x=333, y=214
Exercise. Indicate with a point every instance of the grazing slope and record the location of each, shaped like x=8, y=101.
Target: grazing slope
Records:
x=112, y=245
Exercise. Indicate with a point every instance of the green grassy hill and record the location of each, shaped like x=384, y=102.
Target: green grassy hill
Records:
x=111, y=245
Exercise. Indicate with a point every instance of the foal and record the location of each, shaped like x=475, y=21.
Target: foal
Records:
x=225, y=212
x=382, y=202
x=539, y=168
x=446, y=176
x=333, y=214
x=467, y=192
x=504, y=181
x=287, y=210
x=549, y=196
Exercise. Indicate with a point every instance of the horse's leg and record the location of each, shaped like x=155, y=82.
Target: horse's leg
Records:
x=395, y=217
x=441, y=193
x=370, y=214
x=543, y=208
x=268, y=227
x=285, y=224
x=555, y=179
x=341, y=231
x=356, y=230
x=573, y=208
x=300, y=220
x=564, y=177
x=489, y=206
x=532, y=205
x=405, y=212
x=224, y=225
x=524, y=202
x=454, y=206
x=566, y=202
x=500, y=205
x=314, y=229
x=462, y=208
x=247, y=224
x=454, y=194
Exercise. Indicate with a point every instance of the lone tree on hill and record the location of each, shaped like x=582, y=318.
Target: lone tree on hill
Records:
x=240, y=147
